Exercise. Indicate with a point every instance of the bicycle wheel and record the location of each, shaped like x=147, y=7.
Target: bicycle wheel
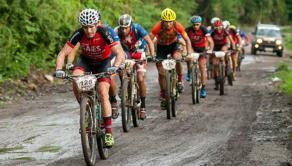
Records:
x=168, y=94
x=88, y=131
x=125, y=104
x=173, y=94
x=193, y=84
x=136, y=108
x=229, y=72
x=198, y=84
x=221, y=78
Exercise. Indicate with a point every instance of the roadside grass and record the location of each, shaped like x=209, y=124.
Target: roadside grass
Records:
x=49, y=148
x=285, y=74
x=287, y=36
x=26, y=158
x=29, y=139
x=9, y=149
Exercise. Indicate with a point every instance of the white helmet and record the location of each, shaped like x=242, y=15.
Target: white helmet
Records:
x=226, y=24
x=214, y=19
x=125, y=20
x=89, y=17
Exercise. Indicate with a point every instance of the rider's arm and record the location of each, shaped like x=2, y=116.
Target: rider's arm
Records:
x=66, y=50
x=211, y=42
x=183, y=33
x=61, y=56
x=73, y=53
x=119, y=53
x=231, y=41
x=149, y=44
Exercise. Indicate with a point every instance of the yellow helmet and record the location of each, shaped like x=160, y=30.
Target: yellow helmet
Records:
x=232, y=27
x=168, y=15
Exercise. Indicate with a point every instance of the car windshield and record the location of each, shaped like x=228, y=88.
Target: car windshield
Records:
x=268, y=32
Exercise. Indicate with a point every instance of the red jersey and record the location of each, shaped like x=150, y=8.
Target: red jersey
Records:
x=96, y=48
x=220, y=38
x=234, y=34
x=198, y=37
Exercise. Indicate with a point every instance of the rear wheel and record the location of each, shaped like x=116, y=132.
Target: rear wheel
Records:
x=174, y=97
x=125, y=104
x=88, y=131
x=195, y=84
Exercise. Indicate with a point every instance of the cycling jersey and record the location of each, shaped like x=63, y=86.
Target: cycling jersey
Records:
x=134, y=38
x=98, y=47
x=167, y=37
x=219, y=38
x=234, y=33
x=198, y=37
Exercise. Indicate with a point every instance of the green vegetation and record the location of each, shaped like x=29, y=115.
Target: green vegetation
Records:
x=33, y=31
x=9, y=149
x=49, y=148
x=285, y=74
x=287, y=33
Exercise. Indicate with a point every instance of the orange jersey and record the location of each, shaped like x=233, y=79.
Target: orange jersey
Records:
x=167, y=37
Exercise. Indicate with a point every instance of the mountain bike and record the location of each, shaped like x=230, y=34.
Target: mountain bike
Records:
x=130, y=98
x=240, y=57
x=172, y=93
x=91, y=130
x=196, y=83
x=221, y=70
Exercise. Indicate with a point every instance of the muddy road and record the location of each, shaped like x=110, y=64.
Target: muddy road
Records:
x=247, y=126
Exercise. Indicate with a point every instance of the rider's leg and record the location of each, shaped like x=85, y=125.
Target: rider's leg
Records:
x=113, y=92
x=188, y=77
x=202, y=65
x=103, y=91
x=234, y=63
x=179, y=69
x=141, y=69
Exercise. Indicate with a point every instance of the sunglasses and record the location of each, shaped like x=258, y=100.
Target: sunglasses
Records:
x=196, y=24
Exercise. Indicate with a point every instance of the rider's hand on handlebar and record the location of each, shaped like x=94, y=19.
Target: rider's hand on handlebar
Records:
x=209, y=51
x=59, y=73
x=69, y=66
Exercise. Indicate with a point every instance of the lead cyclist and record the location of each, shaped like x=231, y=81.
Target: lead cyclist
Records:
x=98, y=48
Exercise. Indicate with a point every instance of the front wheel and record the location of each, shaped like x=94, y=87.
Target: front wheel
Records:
x=221, y=79
x=195, y=85
x=136, y=108
x=168, y=95
x=125, y=104
x=88, y=130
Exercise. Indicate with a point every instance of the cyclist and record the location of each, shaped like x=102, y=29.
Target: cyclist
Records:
x=166, y=32
x=131, y=34
x=244, y=40
x=222, y=40
x=200, y=38
x=98, y=47
x=237, y=42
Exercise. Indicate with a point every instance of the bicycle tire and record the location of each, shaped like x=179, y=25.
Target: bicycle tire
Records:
x=168, y=95
x=174, y=95
x=221, y=79
x=136, y=108
x=88, y=137
x=125, y=107
x=102, y=149
x=194, y=92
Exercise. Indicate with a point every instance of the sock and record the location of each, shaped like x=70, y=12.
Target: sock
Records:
x=143, y=102
x=108, y=124
x=162, y=94
x=179, y=77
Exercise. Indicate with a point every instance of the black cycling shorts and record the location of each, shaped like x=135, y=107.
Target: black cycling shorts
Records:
x=164, y=50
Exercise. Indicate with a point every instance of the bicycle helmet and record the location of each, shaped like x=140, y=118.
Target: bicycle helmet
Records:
x=226, y=24
x=232, y=27
x=214, y=19
x=125, y=20
x=89, y=17
x=217, y=23
x=196, y=19
x=168, y=15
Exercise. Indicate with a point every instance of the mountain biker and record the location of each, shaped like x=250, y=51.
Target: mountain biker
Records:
x=237, y=41
x=166, y=32
x=200, y=38
x=222, y=40
x=99, y=46
x=130, y=35
x=244, y=40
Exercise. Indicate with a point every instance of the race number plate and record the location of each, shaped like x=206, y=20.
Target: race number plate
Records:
x=168, y=64
x=85, y=83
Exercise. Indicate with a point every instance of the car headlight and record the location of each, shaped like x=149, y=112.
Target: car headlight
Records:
x=259, y=41
x=278, y=42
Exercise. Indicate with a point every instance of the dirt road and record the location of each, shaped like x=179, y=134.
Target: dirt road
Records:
x=247, y=126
